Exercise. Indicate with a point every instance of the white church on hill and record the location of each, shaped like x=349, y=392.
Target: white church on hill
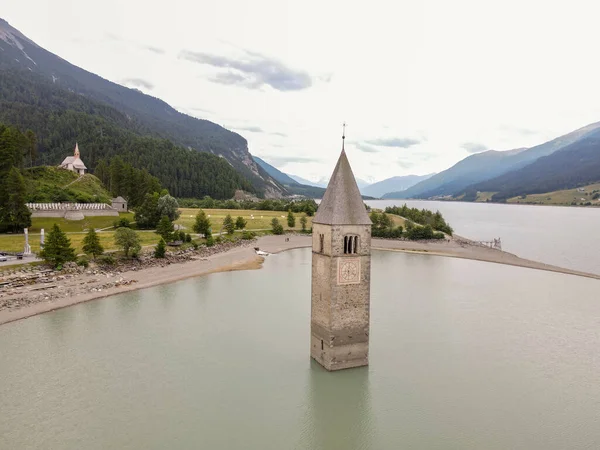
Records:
x=74, y=163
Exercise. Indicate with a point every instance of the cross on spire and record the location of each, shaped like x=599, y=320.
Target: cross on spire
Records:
x=343, y=134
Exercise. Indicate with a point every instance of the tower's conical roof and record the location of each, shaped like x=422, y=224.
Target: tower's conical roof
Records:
x=342, y=203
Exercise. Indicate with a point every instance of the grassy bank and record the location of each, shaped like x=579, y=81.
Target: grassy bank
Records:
x=256, y=219
x=15, y=242
x=75, y=226
x=572, y=197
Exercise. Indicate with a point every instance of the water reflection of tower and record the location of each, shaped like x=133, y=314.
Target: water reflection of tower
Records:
x=338, y=414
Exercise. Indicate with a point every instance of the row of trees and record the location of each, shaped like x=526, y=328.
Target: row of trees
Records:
x=58, y=249
x=15, y=147
x=121, y=178
x=383, y=227
x=422, y=216
x=308, y=206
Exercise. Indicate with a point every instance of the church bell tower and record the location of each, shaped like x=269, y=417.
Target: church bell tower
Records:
x=341, y=274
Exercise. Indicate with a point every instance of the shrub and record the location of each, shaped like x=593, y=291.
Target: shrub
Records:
x=107, y=260
x=161, y=249
x=303, y=222
x=248, y=235
x=83, y=262
x=417, y=233
x=228, y=224
x=218, y=240
x=122, y=223
x=210, y=241
x=291, y=219
x=188, y=237
x=277, y=228
x=240, y=223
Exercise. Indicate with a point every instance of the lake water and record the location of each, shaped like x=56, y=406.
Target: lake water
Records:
x=464, y=355
x=566, y=237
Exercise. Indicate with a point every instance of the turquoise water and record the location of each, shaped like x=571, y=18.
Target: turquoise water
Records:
x=464, y=355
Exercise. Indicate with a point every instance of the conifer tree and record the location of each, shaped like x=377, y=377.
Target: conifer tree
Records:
x=276, y=227
x=14, y=214
x=291, y=220
x=165, y=228
x=228, y=224
x=240, y=223
x=202, y=225
x=303, y=222
x=91, y=244
x=57, y=248
x=161, y=249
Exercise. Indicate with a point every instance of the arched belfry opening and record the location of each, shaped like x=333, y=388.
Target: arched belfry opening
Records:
x=350, y=244
x=341, y=273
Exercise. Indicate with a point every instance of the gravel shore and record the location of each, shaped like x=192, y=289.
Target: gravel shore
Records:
x=27, y=292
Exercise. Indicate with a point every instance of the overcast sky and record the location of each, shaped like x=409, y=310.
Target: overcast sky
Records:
x=421, y=84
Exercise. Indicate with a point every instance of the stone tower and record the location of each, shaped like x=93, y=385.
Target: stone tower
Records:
x=341, y=274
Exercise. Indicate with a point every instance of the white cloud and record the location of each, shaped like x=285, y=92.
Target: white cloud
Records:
x=456, y=72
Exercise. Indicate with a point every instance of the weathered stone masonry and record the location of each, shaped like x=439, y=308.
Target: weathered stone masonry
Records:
x=341, y=274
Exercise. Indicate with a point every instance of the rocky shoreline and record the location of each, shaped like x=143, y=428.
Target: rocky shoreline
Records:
x=25, y=286
x=30, y=291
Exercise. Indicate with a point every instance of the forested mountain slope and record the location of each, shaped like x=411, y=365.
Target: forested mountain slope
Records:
x=156, y=117
x=59, y=118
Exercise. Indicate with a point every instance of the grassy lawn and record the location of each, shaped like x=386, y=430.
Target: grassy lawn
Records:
x=15, y=242
x=484, y=196
x=398, y=221
x=261, y=220
x=75, y=229
x=71, y=226
x=564, y=197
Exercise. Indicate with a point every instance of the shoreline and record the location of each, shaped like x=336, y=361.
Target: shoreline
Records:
x=245, y=258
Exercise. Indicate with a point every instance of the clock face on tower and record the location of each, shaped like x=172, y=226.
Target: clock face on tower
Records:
x=348, y=270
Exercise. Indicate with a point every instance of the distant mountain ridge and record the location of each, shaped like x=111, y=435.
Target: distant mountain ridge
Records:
x=394, y=184
x=19, y=52
x=575, y=165
x=487, y=165
x=307, y=182
x=291, y=185
x=283, y=178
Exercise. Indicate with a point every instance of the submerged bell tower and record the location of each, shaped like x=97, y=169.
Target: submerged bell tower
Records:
x=341, y=273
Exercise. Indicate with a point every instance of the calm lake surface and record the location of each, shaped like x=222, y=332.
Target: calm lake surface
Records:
x=566, y=237
x=486, y=357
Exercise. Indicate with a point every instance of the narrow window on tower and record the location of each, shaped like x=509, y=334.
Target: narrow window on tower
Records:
x=321, y=344
x=321, y=242
x=350, y=244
